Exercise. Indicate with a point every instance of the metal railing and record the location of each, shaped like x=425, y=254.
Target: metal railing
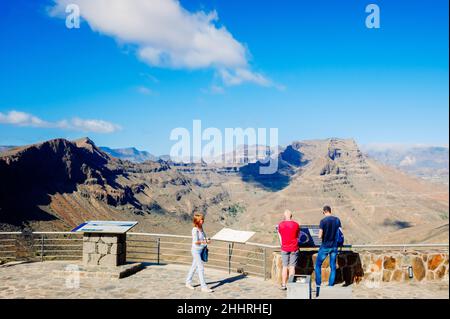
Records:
x=377, y=247
x=246, y=258
x=40, y=246
x=404, y=247
x=249, y=258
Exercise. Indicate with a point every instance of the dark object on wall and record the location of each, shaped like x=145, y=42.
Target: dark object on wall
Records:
x=309, y=236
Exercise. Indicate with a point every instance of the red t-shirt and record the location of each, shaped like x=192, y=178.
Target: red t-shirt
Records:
x=289, y=231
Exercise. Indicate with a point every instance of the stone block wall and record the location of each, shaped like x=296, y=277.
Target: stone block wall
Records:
x=394, y=266
x=107, y=250
x=376, y=267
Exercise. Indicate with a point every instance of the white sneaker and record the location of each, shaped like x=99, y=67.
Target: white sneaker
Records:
x=206, y=289
x=190, y=286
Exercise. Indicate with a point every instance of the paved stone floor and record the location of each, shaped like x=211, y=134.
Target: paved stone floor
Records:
x=36, y=280
x=40, y=280
x=411, y=290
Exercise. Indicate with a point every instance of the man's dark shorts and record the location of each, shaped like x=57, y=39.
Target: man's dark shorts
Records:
x=289, y=259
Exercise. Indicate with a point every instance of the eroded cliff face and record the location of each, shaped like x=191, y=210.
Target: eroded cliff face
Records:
x=374, y=201
x=60, y=183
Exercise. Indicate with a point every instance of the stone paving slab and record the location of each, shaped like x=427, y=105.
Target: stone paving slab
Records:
x=438, y=289
x=35, y=280
x=336, y=292
x=100, y=272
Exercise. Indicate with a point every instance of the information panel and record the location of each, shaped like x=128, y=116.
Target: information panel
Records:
x=236, y=236
x=309, y=236
x=105, y=226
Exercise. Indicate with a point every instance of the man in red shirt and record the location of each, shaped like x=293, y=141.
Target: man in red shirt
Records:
x=288, y=231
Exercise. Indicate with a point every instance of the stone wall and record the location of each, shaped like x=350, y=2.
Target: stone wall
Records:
x=394, y=266
x=373, y=266
x=104, y=249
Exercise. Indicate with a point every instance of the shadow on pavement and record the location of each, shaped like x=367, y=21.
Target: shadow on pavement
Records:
x=226, y=281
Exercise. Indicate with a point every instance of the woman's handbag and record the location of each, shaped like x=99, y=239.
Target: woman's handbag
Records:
x=204, y=254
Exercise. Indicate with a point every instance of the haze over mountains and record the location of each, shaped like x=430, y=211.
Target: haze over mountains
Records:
x=130, y=154
x=5, y=148
x=58, y=184
x=428, y=162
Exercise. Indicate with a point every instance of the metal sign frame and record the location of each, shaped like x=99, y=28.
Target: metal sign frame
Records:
x=105, y=227
x=233, y=236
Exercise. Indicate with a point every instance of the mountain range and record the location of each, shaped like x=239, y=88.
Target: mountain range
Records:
x=427, y=162
x=130, y=154
x=58, y=184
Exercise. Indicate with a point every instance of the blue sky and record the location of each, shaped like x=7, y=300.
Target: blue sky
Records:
x=310, y=68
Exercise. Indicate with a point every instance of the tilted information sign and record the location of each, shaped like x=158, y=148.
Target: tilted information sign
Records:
x=105, y=226
x=231, y=235
x=309, y=236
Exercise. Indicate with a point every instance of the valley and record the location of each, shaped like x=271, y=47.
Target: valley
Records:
x=58, y=184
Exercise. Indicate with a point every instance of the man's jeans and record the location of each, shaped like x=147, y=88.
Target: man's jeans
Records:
x=321, y=256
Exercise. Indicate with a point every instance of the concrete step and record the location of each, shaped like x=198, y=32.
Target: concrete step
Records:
x=334, y=292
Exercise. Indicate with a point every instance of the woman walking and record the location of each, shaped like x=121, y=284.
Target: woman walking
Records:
x=199, y=242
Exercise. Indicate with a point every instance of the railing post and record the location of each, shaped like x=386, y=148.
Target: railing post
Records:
x=158, y=248
x=42, y=248
x=229, y=257
x=265, y=263
x=16, y=248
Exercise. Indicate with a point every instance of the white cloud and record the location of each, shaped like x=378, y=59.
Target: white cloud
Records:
x=239, y=76
x=18, y=118
x=145, y=90
x=408, y=161
x=167, y=35
x=150, y=77
x=95, y=126
x=215, y=89
x=22, y=119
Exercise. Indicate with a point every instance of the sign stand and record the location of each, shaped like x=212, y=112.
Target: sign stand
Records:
x=104, y=250
x=104, y=242
x=230, y=253
x=232, y=236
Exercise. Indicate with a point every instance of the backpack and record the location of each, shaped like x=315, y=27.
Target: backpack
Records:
x=339, y=237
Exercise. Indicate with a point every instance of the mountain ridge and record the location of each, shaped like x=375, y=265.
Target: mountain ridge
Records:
x=426, y=162
x=130, y=153
x=57, y=184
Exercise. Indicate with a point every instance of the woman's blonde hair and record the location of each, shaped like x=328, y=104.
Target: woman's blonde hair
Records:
x=197, y=218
